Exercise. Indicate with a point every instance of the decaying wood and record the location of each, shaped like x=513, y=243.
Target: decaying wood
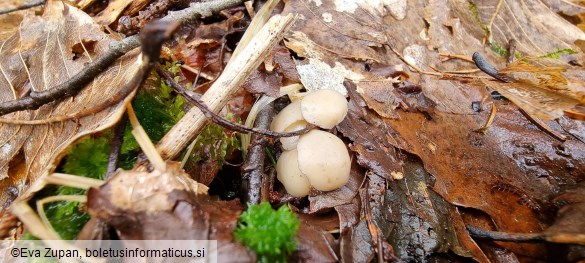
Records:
x=253, y=168
x=171, y=145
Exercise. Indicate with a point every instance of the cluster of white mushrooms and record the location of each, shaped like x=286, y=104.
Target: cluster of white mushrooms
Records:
x=316, y=159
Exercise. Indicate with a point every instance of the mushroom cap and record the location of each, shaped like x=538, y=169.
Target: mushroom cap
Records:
x=288, y=173
x=289, y=143
x=287, y=116
x=324, y=108
x=324, y=159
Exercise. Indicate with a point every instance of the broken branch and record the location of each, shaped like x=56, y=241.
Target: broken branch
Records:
x=171, y=145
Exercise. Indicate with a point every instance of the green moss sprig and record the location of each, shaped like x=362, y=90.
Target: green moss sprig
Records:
x=271, y=234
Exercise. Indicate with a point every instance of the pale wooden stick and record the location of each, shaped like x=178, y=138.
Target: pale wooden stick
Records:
x=171, y=145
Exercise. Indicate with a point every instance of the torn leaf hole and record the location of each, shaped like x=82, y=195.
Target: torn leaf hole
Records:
x=78, y=48
x=450, y=28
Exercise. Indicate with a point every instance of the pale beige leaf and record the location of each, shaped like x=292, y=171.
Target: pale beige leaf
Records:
x=44, y=52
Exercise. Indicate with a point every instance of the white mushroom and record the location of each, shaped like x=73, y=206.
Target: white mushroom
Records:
x=288, y=173
x=324, y=108
x=289, y=143
x=324, y=159
x=287, y=116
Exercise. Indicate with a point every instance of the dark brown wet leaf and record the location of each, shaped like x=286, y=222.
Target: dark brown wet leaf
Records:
x=569, y=223
x=424, y=222
x=277, y=71
x=509, y=174
x=372, y=139
x=356, y=242
x=571, y=211
x=341, y=196
x=315, y=241
x=384, y=97
x=284, y=64
x=167, y=206
x=263, y=82
x=204, y=170
x=37, y=57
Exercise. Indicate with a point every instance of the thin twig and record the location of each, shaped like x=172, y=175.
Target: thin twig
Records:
x=543, y=126
x=452, y=56
x=561, y=238
x=503, y=236
x=492, y=19
x=152, y=38
x=116, y=146
x=189, y=95
x=124, y=92
x=75, y=84
x=462, y=71
x=22, y=7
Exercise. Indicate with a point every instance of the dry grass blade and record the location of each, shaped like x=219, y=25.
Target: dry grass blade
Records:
x=144, y=142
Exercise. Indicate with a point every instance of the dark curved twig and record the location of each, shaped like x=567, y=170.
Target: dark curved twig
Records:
x=74, y=85
x=22, y=7
x=189, y=95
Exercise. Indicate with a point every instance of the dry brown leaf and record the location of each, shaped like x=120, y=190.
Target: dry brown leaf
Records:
x=566, y=7
x=537, y=29
x=343, y=195
x=315, y=241
x=542, y=91
x=44, y=52
x=167, y=205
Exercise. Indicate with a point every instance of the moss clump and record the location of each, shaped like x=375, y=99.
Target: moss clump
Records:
x=271, y=234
